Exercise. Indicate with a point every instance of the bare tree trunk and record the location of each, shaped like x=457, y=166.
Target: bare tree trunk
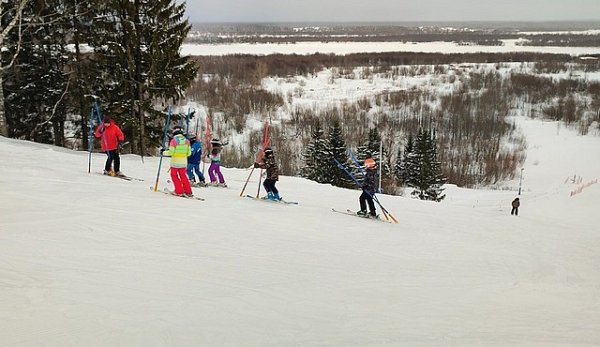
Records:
x=84, y=117
x=142, y=124
x=138, y=83
x=3, y=124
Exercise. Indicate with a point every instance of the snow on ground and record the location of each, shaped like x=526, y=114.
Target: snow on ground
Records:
x=89, y=260
x=305, y=48
x=330, y=86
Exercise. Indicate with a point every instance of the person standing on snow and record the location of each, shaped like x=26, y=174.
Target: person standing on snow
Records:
x=369, y=185
x=268, y=163
x=111, y=137
x=214, y=170
x=515, y=207
x=179, y=150
x=193, y=164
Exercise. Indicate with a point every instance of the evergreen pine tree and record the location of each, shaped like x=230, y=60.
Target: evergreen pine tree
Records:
x=336, y=147
x=314, y=155
x=36, y=84
x=78, y=23
x=137, y=47
x=12, y=15
x=437, y=178
x=423, y=171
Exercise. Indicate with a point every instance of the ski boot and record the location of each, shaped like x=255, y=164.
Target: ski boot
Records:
x=362, y=213
x=275, y=197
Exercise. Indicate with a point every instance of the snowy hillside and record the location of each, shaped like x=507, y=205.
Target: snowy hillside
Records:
x=89, y=260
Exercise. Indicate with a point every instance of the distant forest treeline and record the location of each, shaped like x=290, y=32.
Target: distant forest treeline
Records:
x=251, y=68
x=490, y=36
x=477, y=143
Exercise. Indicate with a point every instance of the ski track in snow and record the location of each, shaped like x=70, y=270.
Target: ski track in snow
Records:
x=88, y=260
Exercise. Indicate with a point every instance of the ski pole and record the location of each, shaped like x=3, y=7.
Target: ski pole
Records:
x=103, y=136
x=259, y=183
x=162, y=146
x=207, y=136
x=187, y=128
x=247, y=179
x=91, y=141
x=266, y=141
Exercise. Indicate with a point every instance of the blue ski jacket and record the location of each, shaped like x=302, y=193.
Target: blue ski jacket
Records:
x=196, y=155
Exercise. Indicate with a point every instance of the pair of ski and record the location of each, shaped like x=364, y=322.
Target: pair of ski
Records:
x=126, y=178
x=172, y=193
x=203, y=185
x=209, y=185
x=367, y=216
x=281, y=201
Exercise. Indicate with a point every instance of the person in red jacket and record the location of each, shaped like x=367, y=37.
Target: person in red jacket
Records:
x=110, y=137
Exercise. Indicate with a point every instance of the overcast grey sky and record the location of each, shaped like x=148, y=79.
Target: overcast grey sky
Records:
x=390, y=10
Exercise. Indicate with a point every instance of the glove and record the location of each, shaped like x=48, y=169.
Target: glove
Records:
x=121, y=143
x=162, y=149
x=256, y=165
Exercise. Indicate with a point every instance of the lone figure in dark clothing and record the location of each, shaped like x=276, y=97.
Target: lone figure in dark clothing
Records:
x=515, y=207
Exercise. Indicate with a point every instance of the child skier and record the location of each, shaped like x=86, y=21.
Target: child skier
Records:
x=111, y=137
x=193, y=161
x=214, y=170
x=268, y=163
x=369, y=185
x=179, y=150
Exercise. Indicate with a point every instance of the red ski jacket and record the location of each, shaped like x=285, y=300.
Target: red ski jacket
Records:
x=110, y=136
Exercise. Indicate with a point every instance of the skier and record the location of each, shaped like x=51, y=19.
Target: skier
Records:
x=111, y=137
x=193, y=161
x=515, y=207
x=214, y=170
x=179, y=150
x=268, y=163
x=369, y=185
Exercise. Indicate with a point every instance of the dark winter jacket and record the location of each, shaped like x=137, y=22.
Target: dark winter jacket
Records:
x=516, y=203
x=371, y=181
x=196, y=153
x=270, y=165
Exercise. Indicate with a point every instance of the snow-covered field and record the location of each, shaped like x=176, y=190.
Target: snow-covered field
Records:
x=373, y=47
x=88, y=260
